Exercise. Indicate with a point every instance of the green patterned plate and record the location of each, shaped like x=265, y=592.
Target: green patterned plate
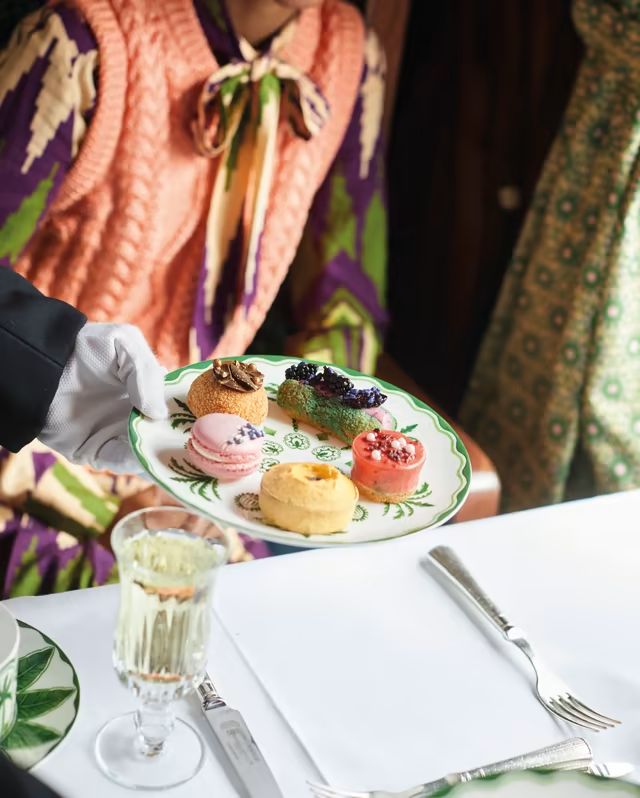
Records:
x=444, y=483
x=48, y=698
x=531, y=784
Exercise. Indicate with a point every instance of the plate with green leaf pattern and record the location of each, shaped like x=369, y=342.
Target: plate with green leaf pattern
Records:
x=538, y=784
x=443, y=486
x=48, y=698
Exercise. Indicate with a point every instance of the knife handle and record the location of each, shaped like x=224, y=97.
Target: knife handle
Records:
x=210, y=697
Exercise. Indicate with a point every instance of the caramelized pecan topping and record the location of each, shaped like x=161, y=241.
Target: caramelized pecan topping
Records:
x=238, y=376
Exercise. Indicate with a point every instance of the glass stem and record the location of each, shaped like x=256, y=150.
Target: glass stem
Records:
x=155, y=721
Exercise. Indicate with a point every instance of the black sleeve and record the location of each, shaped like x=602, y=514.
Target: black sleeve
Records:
x=37, y=337
x=17, y=784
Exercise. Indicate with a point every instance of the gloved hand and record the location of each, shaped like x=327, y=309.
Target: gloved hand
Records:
x=112, y=369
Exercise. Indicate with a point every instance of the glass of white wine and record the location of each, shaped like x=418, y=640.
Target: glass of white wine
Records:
x=168, y=558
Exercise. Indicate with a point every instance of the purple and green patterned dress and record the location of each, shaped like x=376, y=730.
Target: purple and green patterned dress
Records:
x=331, y=307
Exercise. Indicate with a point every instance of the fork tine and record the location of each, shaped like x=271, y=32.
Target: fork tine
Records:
x=325, y=791
x=586, y=711
x=561, y=712
x=604, y=718
x=322, y=791
x=598, y=725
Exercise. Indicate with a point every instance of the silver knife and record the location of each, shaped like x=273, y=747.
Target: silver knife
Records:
x=235, y=739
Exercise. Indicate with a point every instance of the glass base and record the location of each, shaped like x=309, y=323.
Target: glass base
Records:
x=120, y=757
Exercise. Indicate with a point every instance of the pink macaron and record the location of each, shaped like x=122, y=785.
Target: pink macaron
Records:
x=225, y=446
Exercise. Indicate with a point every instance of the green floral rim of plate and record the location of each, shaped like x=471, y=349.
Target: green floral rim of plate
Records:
x=594, y=783
x=28, y=742
x=196, y=487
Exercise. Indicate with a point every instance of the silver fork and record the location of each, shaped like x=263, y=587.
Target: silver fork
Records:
x=571, y=754
x=552, y=692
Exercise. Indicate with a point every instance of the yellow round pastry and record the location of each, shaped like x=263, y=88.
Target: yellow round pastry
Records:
x=230, y=387
x=310, y=498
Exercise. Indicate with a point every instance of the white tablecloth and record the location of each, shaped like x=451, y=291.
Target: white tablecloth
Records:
x=356, y=665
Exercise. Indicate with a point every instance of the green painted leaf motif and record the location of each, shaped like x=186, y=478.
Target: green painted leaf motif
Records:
x=407, y=507
x=32, y=666
x=326, y=453
x=296, y=440
x=183, y=417
x=272, y=448
x=423, y=490
x=269, y=431
x=34, y=703
x=28, y=735
x=408, y=428
x=184, y=406
x=178, y=420
x=5, y=692
x=198, y=482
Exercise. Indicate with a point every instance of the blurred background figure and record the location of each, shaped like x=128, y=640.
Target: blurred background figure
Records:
x=555, y=394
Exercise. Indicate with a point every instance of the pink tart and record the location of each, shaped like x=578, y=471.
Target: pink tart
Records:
x=225, y=446
x=386, y=465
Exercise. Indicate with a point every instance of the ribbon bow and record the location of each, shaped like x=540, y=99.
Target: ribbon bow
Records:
x=232, y=92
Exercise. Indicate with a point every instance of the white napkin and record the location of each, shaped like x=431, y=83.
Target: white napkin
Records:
x=388, y=681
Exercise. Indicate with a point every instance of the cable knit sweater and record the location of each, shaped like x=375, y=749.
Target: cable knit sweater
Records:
x=127, y=233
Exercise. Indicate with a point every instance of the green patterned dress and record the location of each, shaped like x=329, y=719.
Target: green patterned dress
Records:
x=555, y=393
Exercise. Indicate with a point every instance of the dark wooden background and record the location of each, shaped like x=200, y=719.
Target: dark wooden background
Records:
x=482, y=88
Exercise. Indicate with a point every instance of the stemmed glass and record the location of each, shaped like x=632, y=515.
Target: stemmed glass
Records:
x=168, y=558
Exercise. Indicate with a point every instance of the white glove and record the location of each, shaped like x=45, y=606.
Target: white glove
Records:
x=111, y=370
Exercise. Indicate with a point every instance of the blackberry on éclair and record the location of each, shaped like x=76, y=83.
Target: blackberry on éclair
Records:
x=303, y=371
x=338, y=383
x=365, y=398
x=330, y=382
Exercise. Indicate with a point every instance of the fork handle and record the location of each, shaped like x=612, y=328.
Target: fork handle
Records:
x=574, y=753
x=449, y=562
